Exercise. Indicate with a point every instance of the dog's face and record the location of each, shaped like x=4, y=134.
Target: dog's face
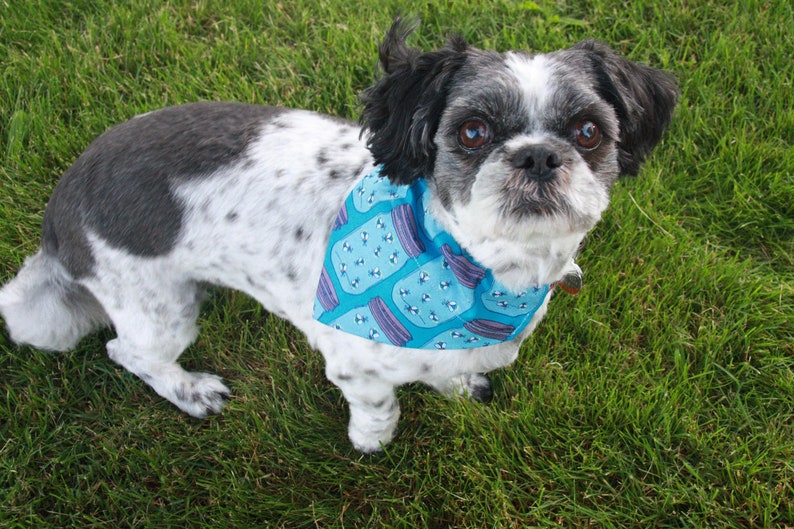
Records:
x=515, y=146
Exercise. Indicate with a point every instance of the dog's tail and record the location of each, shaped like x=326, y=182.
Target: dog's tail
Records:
x=44, y=307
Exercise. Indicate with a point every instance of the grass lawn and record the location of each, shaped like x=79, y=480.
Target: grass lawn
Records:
x=661, y=396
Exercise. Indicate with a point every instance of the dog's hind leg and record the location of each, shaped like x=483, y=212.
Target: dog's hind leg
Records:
x=155, y=321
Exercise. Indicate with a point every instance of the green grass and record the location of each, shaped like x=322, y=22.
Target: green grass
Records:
x=662, y=396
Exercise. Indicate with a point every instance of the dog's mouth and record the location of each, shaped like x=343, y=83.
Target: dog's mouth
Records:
x=532, y=197
x=543, y=200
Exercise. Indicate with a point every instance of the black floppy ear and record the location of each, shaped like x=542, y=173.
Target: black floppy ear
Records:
x=643, y=98
x=402, y=110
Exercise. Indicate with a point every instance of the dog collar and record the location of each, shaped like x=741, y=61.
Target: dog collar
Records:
x=392, y=275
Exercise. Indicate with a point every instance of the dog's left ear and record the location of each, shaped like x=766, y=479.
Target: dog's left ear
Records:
x=402, y=110
x=643, y=98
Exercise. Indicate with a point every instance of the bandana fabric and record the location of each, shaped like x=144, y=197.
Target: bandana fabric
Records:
x=393, y=275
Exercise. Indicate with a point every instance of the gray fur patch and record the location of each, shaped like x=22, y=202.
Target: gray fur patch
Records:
x=482, y=89
x=120, y=187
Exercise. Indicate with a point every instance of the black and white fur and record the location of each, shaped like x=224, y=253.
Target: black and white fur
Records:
x=244, y=197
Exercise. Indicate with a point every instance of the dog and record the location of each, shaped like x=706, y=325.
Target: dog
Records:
x=469, y=184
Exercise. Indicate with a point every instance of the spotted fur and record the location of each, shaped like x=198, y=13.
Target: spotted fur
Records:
x=245, y=196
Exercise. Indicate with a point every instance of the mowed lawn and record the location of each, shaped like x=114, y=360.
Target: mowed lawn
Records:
x=661, y=396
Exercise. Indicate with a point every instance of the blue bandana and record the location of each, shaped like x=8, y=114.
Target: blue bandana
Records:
x=393, y=275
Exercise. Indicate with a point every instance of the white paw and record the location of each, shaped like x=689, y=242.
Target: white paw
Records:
x=200, y=394
x=369, y=433
x=368, y=442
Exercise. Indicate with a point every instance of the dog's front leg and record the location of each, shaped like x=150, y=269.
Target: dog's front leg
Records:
x=475, y=386
x=367, y=373
x=374, y=410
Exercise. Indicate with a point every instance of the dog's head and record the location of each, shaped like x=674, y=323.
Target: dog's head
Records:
x=514, y=145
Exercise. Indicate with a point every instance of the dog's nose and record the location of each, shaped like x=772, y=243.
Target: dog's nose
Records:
x=539, y=161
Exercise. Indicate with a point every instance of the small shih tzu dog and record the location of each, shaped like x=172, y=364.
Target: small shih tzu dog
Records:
x=422, y=246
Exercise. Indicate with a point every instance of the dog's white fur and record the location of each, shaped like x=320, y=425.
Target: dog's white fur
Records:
x=258, y=221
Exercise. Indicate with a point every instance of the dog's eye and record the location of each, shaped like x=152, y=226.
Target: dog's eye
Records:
x=587, y=134
x=473, y=134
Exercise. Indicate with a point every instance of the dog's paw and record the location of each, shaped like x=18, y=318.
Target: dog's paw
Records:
x=369, y=442
x=478, y=387
x=370, y=432
x=201, y=394
x=474, y=386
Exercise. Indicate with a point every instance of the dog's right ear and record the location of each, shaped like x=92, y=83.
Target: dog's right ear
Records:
x=402, y=110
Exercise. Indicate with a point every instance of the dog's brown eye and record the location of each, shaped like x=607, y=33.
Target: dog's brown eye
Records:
x=473, y=134
x=587, y=134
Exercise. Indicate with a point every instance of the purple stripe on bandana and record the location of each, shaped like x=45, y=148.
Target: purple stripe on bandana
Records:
x=490, y=329
x=405, y=225
x=391, y=326
x=326, y=294
x=468, y=273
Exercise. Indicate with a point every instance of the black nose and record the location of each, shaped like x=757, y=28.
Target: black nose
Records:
x=539, y=161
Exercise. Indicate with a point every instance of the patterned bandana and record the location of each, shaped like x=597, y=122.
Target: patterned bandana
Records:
x=393, y=275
